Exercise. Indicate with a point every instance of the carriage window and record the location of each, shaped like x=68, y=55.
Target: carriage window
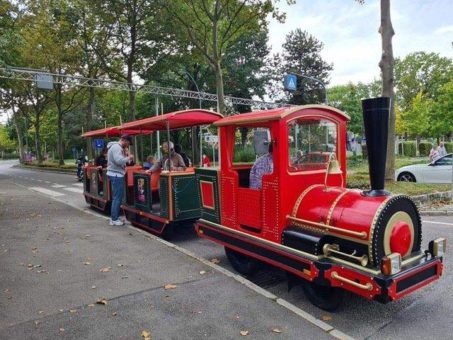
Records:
x=310, y=143
x=249, y=144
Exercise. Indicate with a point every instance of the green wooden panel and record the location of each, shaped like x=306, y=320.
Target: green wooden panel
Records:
x=186, y=197
x=164, y=199
x=209, y=175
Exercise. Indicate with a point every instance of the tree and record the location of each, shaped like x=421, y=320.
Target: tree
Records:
x=214, y=26
x=302, y=55
x=347, y=98
x=421, y=72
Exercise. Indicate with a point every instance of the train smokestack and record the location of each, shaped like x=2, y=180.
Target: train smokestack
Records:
x=376, y=113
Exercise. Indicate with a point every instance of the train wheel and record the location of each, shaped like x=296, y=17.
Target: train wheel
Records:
x=243, y=264
x=325, y=297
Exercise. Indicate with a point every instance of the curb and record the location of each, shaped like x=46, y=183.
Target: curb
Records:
x=437, y=212
x=44, y=169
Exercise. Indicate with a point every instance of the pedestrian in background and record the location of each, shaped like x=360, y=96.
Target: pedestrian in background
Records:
x=118, y=157
x=442, y=150
x=434, y=153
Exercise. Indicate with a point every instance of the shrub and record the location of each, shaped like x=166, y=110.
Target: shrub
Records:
x=424, y=148
x=449, y=147
x=407, y=149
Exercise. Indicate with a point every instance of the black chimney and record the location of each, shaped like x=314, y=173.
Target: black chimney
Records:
x=376, y=120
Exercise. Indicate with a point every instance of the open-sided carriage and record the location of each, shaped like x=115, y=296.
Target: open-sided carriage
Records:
x=96, y=185
x=304, y=220
x=158, y=201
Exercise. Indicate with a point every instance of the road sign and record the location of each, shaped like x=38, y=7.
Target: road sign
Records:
x=44, y=81
x=290, y=82
x=98, y=143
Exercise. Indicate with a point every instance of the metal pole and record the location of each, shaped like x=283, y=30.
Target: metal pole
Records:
x=158, y=132
x=168, y=146
x=196, y=85
x=317, y=80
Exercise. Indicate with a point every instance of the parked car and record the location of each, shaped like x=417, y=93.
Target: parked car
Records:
x=439, y=171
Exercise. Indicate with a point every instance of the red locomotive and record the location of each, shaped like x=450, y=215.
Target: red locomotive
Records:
x=304, y=220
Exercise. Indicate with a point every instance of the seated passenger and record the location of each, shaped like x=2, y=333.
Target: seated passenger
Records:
x=179, y=151
x=263, y=165
x=149, y=163
x=101, y=160
x=170, y=160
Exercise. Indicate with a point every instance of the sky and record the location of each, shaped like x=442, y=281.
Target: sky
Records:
x=349, y=32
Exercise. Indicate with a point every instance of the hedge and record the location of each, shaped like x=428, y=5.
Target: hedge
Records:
x=424, y=148
x=409, y=149
x=449, y=147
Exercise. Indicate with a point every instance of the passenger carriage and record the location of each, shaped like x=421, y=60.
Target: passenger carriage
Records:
x=157, y=202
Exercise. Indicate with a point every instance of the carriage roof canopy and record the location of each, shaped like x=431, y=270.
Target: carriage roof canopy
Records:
x=175, y=120
x=274, y=114
x=114, y=131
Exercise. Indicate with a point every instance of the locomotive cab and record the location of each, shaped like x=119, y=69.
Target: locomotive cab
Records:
x=303, y=220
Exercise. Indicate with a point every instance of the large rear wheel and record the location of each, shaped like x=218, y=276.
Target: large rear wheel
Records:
x=243, y=264
x=324, y=297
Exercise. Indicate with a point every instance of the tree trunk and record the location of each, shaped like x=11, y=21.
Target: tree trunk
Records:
x=20, y=137
x=219, y=86
x=38, y=138
x=89, y=120
x=58, y=102
x=386, y=65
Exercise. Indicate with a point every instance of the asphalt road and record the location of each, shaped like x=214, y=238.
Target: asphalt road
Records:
x=428, y=313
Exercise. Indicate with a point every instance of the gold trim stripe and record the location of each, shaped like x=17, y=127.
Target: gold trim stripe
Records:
x=334, y=204
x=301, y=197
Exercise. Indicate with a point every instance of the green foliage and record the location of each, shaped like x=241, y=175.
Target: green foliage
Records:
x=424, y=148
x=449, y=147
x=302, y=55
x=244, y=155
x=6, y=144
x=407, y=149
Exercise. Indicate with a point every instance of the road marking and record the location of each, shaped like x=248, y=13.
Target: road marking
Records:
x=78, y=184
x=47, y=191
x=57, y=186
x=434, y=222
x=39, y=180
x=77, y=190
x=47, y=182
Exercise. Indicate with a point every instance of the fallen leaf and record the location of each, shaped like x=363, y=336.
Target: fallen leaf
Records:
x=41, y=312
x=169, y=286
x=276, y=330
x=119, y=265
x=6, y=290
x=61, y=329
x=37, y=322
x=215, y=261
x=244, y=333
x=102, y=302
x=326, y=317
x=146, y=335
x=91, y=305
x=202, y=272
x=87, y=263
x=93, y=287
x=73, y=311
x=61, y=310
x=105, y=270
x=114, y=314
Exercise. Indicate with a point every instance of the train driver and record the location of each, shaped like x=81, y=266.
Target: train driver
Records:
x=263, y=165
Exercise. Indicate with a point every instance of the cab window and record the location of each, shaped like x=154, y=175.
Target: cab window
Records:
x=310, y=143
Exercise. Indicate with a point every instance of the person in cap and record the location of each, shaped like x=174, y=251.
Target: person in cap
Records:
x=118, y=157
x=170, y=160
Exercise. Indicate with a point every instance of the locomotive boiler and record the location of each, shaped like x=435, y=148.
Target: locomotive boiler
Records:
x=304, y=220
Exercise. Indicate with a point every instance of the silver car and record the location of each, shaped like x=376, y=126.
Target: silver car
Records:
x=439, y=171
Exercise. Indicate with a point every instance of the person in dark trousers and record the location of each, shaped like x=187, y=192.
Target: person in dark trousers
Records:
x=118, y=157
x=186, y=159
x=80, y=163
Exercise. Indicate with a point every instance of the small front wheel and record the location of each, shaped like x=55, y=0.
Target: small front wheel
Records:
x=243, y=264
x=325, y=297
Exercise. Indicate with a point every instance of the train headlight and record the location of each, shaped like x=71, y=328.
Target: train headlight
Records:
x=438, y=246
x=391, y=264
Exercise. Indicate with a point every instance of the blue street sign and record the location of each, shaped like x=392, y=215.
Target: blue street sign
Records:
x=98, y=143
x=290, y=82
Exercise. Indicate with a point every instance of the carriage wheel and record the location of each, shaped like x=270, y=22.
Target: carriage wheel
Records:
x=243, y=264
x=324, y=297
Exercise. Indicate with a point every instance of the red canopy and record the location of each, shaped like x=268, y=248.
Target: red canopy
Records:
x=175, y=120
x=115, y=131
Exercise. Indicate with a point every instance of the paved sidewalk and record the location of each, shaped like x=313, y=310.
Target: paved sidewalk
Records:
x=57, y=263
